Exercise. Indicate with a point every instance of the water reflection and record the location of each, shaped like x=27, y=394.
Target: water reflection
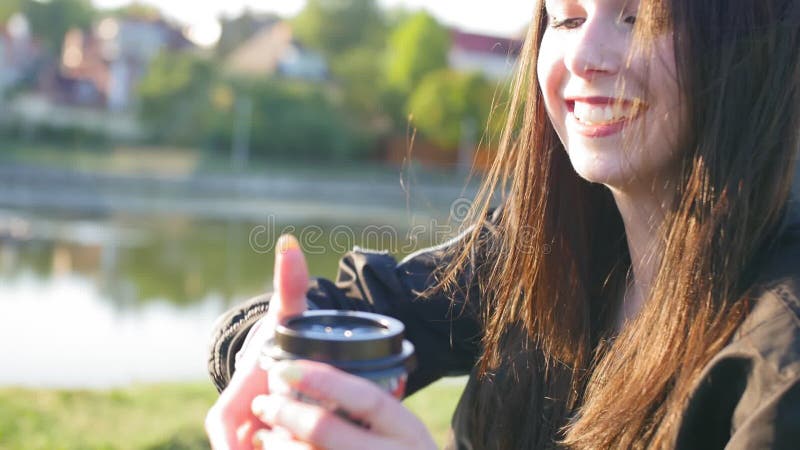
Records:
x=61, y=333
x=114, y=299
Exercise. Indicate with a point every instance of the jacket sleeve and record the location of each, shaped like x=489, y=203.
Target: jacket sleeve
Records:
x=445, y=330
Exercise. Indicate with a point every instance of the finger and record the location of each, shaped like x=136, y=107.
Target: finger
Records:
x=261, y=332
x=269, y=440
x=290, y=279
x=362, y=399
x=230, y=423
x=290, y=284
x=225, y=434
x=314, y=424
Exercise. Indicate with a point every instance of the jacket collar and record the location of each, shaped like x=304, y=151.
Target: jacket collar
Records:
x=790, y=219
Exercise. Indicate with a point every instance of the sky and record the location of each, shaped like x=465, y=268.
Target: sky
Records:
x=498, y=17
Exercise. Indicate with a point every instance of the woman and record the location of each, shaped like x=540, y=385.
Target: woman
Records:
x=638, y=288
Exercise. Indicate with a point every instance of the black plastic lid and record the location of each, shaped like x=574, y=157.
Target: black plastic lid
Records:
x=343, y=338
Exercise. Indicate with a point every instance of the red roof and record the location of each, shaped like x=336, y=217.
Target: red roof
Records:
x=480, y=43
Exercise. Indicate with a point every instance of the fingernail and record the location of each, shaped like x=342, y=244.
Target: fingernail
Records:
x=265, y=407
x=287, y=242
x=291, y=374
x=286, y=374
x=259, y=438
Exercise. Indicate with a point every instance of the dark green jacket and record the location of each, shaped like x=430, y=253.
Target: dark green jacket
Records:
x=748, y=397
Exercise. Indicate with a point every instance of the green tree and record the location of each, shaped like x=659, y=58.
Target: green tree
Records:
x=138, y=11
x=8, y=8
x=175, y=97
x=298, y=120
x=417, y=47
x=351, y=35
x=446, y=100
x=335, y=26
x=50, y=20
x=184, y=101
x=359, y=75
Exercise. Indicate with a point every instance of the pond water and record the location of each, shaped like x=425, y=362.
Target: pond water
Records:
x=116, y=299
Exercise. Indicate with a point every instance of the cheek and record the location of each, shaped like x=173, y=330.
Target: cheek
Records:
x=551, y=74
x=663, y=75
x=664, y=87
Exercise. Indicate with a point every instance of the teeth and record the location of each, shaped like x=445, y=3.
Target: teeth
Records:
x=598, y=115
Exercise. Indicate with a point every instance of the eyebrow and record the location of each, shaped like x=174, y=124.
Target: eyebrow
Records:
x=548, y=4
x=625, y=4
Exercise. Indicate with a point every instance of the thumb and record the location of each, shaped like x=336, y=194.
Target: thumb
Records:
x=290, y=279
x=290, y=283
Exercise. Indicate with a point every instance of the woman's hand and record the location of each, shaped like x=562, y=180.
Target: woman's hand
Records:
x=255, y=411
x=230, y=424
x=296, y=425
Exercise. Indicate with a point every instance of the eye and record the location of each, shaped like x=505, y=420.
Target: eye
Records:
x=568, y=24
x=630, y=20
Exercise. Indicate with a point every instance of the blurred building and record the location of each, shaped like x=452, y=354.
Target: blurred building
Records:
x=237, y=30
x=91, y=84
x=18, y=53
x=101, y=67
x=492, y=56
x=273, y=50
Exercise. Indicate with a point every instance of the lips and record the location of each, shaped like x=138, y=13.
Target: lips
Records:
x=602, y=116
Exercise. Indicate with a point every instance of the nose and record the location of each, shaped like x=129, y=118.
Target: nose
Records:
x=593, y=51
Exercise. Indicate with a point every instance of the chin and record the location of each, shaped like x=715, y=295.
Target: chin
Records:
x=592, y=169
x=610, y=179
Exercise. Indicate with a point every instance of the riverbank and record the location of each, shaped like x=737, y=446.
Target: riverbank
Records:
x=163, y=181
x=149, y=417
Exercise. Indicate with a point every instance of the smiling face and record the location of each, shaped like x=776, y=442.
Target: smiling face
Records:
x=617, y=112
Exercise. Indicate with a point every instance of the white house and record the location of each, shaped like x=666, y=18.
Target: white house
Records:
x=272, y=50
x=18, y=52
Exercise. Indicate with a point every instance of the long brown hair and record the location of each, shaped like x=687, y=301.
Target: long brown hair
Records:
x=551, y=371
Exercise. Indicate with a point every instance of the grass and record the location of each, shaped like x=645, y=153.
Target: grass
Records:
x=150, y=417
